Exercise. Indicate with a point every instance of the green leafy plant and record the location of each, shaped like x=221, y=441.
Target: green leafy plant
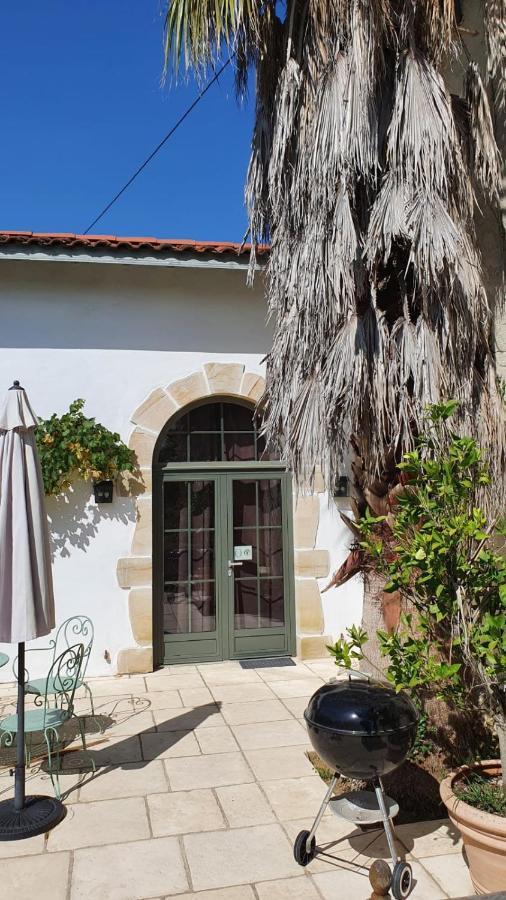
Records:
x=483, y=793
x=74, y=445
x=402, y=670
x=346, y=652
x=452, y=641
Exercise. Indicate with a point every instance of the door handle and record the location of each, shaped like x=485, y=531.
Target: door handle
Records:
x=231, y=566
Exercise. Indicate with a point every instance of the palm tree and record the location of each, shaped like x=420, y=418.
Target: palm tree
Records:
x=369, y=181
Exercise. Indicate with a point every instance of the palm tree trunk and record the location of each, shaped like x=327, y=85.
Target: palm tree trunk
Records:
x=373, y=620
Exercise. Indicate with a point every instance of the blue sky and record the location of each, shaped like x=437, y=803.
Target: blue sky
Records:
x=82, y=105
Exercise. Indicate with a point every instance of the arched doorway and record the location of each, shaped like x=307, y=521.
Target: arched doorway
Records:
x=222, y=539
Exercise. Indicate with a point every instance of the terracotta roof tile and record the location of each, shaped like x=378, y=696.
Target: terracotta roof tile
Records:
x=114, y=242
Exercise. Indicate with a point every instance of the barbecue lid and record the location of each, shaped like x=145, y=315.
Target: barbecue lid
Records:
x=360, y=706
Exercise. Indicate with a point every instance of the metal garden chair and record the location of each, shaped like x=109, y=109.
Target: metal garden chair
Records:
x=77, y=628
x=56, y=709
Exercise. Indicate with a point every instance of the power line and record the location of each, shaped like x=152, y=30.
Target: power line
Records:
x=159, y=146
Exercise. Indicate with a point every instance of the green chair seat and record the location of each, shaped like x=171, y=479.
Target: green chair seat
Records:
x=36, y=720
x=54, y=686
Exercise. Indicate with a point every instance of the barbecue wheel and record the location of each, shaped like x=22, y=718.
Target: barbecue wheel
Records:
x=299, y=849
x=402, y=880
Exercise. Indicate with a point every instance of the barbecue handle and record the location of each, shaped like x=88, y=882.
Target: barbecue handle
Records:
x=354, y=673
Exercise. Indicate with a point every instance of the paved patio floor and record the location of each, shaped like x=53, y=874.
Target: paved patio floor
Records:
x=202, y=783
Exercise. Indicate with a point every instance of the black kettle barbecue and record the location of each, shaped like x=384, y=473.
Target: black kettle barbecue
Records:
x=361, y=729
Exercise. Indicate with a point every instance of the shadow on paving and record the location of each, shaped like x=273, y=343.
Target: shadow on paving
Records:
x=104, y=756
x=405, y=836
x=125, y=752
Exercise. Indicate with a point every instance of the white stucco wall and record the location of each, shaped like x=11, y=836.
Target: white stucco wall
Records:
x=111, y=334
x=342, y=606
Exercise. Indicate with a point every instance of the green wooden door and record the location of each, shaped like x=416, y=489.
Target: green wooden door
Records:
x=223, y=566
x=259, y=564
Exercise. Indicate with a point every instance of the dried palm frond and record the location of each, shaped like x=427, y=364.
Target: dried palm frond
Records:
x=436, y=28
x=495, y=22
x=286, y=107
x=388, y=221
x=484, y=152
x=325, y=139
x=423, y=146
x=361, y=177
x=360, y=121
x=436, y=239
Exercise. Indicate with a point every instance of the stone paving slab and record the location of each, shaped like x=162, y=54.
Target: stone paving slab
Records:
x=244, y=804
x=262, y=735
x=288, y=889
x=100, y=822
x=234, y=693
x=211, y=770
x=295, y=687
x=128, y=780
x=257, y=711
x=279, y=762
x=125, y=871
x=451, y=873
x=239, y=856
x=29, y=877
x=291, y=798
x=216, y=740
x=202, y=785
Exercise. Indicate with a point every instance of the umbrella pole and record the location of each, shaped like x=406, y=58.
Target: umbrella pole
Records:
x=19, y=776
x=24, y=817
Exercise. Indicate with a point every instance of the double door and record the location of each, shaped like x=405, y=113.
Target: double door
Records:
x=223, y=565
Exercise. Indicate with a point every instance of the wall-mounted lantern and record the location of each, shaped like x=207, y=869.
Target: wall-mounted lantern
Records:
x=341, y=487
x=103, y=491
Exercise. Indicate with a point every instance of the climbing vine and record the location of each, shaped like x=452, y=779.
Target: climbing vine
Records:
x=75, y=446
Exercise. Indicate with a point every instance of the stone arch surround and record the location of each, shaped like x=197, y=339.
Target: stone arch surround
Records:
x=134, y=572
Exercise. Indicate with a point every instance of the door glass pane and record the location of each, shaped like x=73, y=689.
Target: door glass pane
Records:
x=202, y=555
x=239, y=447
x=175, y=609
x=202, y=504
x=174, y=449
x=175, y=504
x=203, y=607
x=269, y=502
x=245, y=504
x=245, y=603
x=258, y=583
x=237, y=418
x=176, y=556
x=270, y=552
x=271, y=602
x=206, y=417
x=205, y=447
x=188, y=557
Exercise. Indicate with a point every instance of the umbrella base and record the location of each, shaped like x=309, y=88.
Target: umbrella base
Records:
x=38, y=815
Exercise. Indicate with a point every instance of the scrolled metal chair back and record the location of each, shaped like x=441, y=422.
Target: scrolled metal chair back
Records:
x=64, y=676
x=77, y=628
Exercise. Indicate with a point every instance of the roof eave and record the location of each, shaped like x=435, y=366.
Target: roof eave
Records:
x=167, y=258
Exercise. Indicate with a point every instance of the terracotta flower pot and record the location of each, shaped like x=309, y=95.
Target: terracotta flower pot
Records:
x=483, y=833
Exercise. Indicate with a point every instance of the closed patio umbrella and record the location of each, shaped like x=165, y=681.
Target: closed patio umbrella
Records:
x=26, y=589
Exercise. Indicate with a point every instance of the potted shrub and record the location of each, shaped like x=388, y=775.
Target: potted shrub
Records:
x=73, y=444
x=451, y=640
